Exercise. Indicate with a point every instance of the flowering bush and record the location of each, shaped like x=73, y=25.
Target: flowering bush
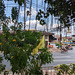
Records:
x=65, y=69
x=2, y=67
x=18, y=48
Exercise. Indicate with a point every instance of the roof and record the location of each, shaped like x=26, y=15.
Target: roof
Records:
x=73, y=35
x=31, y=29
x=47, y=33
x=43, y=32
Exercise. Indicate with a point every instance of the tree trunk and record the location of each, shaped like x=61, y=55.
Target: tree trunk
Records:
x=18, y=15
x=24, y=14
x=60, y=36
x=30, y=14
x=37, y=11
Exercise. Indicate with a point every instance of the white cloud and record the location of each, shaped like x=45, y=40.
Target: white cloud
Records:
x=22, y=13
x=55, y=25
x=11, y=24
x=33, y=12
x=33, y=23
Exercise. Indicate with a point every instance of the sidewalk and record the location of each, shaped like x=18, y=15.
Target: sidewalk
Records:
x=54, y=50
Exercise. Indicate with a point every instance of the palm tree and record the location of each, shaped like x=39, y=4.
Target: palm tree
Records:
x=20, y=2
x=30, y=13
x=37, y=11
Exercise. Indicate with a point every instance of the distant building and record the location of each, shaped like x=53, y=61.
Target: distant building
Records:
x=66, y=34
x=49, y=38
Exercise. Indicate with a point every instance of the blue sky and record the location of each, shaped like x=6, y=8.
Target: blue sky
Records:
x=10, y=4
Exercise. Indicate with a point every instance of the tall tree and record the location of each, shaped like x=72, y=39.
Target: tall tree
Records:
x=2, y=17
x=64, y=9
x=20, y=2
x=18, y=49
x=14, y=14
x=2, y=10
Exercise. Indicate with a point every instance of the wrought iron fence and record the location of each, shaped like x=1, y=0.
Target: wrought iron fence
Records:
x=49, y=71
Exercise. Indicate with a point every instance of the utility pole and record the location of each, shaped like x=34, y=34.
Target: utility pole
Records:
x=60, y=35
x=24, y=14
x=47, y=23
x=66, y=35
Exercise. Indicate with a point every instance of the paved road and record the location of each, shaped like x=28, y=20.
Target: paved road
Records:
x=59, y=58
x=63, y=58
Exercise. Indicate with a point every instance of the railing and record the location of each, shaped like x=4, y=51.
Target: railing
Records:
x=46, y=71
x=49, y=71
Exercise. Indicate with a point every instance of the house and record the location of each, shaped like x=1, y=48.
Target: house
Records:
x=48, y=38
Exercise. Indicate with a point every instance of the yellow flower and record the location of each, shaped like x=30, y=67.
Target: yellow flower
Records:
x=11, y=57
x=3, y=34
x=8, y=71
x=0, y=43
x=14, y=40
x=71, y=64
x=58, y=66
x=59, y=69
x=16, y=44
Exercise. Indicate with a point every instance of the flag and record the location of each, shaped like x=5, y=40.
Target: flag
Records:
x=41, y=45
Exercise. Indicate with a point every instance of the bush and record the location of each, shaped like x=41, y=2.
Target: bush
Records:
x=65, y=69
x=2, y=67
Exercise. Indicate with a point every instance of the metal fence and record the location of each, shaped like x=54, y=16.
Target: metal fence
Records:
x=49, y=71
x=46, y=71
